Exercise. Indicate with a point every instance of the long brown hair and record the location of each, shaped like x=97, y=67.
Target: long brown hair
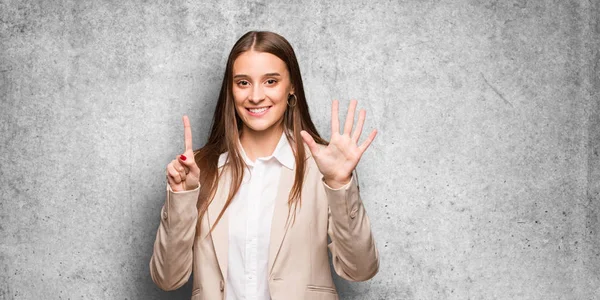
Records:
x=226, y=126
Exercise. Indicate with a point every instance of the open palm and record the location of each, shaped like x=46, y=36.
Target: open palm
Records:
x=337, y=160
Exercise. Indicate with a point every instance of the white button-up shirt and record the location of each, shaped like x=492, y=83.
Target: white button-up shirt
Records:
x=250, y=216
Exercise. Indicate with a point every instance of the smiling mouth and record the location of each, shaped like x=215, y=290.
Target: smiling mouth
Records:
x=258, y=111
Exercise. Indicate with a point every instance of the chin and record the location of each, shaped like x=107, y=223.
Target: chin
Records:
x=261, y=124
x=259, y=127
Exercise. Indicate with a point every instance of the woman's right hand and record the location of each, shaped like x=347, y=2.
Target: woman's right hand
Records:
x=182, y=173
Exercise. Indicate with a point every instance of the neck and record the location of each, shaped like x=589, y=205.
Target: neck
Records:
x=260, y=143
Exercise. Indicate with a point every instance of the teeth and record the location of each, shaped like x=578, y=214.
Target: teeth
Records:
x=258, y=110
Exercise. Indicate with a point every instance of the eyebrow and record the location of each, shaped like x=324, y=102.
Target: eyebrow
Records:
x=266, y=75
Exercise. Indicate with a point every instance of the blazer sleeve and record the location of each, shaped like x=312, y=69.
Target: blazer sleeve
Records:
x=354, y=254
x=171, y=261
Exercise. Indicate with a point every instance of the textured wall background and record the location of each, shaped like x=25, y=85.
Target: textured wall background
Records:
x=483, y=183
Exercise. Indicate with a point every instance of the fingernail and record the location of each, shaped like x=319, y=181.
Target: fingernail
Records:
x=183, y=157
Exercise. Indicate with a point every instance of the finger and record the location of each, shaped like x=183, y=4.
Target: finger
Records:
x=175, y=176
x=189, y=164
x=187, y=161
x=368, y=142
x=184, y=164
x=350, y=118
x=187, y=134
x=180, y=168
x=182, y=173
x=172, y=182
x=335, y=122
x=173, y=173
x=359, y=126
x=312, y=145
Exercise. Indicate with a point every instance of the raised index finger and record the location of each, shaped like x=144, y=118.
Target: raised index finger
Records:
x=187, y=133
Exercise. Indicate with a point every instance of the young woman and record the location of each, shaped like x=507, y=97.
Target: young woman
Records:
x=250, y=212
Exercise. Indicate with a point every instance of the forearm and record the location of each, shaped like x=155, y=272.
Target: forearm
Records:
x=355, y=256
x=171, y=262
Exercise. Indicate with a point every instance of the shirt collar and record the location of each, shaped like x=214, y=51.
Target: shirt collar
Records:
x=283, y=153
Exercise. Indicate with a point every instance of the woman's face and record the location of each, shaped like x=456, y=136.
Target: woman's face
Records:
x=261, y=85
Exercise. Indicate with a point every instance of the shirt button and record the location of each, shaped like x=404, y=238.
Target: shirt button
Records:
x=222, y=285
x=164, y=214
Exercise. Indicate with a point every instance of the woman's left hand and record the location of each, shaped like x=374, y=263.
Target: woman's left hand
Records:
x=337, y=160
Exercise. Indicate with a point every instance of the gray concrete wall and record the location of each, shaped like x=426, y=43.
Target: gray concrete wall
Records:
x=483, y=183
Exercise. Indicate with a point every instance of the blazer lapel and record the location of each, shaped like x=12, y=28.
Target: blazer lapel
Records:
x=220, y=234
x=280, y=213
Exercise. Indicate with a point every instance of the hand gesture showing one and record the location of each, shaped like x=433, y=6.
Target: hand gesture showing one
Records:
x=182, y=173
x=337, y=160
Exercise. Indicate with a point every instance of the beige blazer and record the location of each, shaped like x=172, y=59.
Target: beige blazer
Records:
x=298, y=258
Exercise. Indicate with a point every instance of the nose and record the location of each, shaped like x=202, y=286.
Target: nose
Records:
x=257, y=94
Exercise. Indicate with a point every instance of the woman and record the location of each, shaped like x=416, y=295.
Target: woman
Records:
x=250, y=212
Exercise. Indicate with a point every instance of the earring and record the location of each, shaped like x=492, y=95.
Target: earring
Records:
x=295, y=100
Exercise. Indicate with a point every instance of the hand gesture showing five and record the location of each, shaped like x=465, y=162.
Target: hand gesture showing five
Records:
x=337, y=160
x=182, y=173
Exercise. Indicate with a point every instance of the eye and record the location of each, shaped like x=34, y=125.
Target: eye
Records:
x=271, y=81
x=242, y=82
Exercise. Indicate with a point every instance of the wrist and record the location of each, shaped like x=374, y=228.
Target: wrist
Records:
x=336, y=183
